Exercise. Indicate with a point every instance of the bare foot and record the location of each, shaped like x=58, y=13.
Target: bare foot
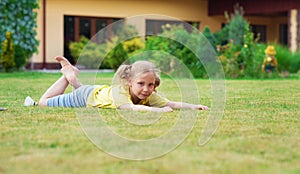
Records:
x=71, y=76
x=64, y=62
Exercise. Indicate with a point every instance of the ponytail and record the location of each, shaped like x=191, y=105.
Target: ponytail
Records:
x=124, y=73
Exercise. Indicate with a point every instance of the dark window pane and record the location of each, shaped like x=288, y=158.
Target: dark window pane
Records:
x=154, y=27
x=259, y=31
x=100, y=24
x=76, y=26
x=84, y=27
x=68, y=36
x=223, y=25
x=116, y=26
x=283, y=34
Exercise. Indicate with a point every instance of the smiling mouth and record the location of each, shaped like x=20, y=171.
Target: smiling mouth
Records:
x=145, y=95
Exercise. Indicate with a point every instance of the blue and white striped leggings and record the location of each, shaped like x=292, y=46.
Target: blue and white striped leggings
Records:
x=77, y=98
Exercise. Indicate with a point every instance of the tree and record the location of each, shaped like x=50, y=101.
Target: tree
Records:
x=236, y=26
x=19, y=17
x=209, y=36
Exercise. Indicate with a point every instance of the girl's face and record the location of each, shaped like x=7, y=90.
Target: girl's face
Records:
x=142, y=86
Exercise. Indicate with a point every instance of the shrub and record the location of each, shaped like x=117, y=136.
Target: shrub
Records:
x=112, y=53
x=249, y=58
x=221, y=37
x=295, y=68
x=122, y=45
x=116, y=54
x=209, y=36
x=132, y=45
x=229, y=60
x=20, y=56
x=90, y=53
x=8, y=53
x=77, y=47
x=287, y=61
x=242, y=56
x=172, y=47
x=157, y=43
x=239, y=56
x=241, y=61
x=126, y=32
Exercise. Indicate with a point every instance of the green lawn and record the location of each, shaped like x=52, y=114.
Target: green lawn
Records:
x=259, y=131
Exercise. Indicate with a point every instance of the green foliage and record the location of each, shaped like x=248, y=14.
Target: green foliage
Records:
x=239, y=56
x=241, y=61
x=132, y=45
x=221, y=37
x=236, y=26
x=209, y=36
x=287, y=60
x=229, y=60
x=242, y=56
x=90, y=53
x=178, y=50
x=126, y=32
x=20, y=56
x=116, y=54
x=111, y=54
x=234, y=30
x=122, y=45
x=159, y=48
x=250, y=60
x=8, y=53
x=19, y=17
x=77, y=47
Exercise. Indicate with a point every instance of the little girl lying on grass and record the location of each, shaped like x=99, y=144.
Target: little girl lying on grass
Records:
x=136, y=90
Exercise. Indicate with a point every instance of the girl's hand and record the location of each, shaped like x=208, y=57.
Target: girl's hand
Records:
x=145, y=108
x=183, y=105
x=200, y=107
x=165, y=109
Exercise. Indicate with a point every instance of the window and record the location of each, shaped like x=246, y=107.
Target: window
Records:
x=154, y=27
x=283, y=34
x=69, y=35
x=85, y=27
x=76, y=26
x=259, y=31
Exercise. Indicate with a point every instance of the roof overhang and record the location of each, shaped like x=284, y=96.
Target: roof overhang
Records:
x=253, y=7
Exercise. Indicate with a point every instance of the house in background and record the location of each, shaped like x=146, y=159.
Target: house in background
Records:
x=60, y=22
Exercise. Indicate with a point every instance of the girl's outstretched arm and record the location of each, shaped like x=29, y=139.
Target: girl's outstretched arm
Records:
x=183, y=105
x=145, y=108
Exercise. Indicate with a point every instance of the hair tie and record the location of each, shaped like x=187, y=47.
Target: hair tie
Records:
x=128, y=68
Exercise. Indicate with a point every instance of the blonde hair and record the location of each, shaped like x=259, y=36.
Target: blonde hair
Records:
x=125, y=73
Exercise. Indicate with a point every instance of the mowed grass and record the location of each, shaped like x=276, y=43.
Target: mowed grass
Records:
x=259, y=131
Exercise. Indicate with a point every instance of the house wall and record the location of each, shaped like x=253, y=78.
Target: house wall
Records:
x=187, y=10
x=272, y=25
x=39, y=56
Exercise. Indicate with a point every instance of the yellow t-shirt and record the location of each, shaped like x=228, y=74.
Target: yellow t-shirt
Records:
x=114, y=96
